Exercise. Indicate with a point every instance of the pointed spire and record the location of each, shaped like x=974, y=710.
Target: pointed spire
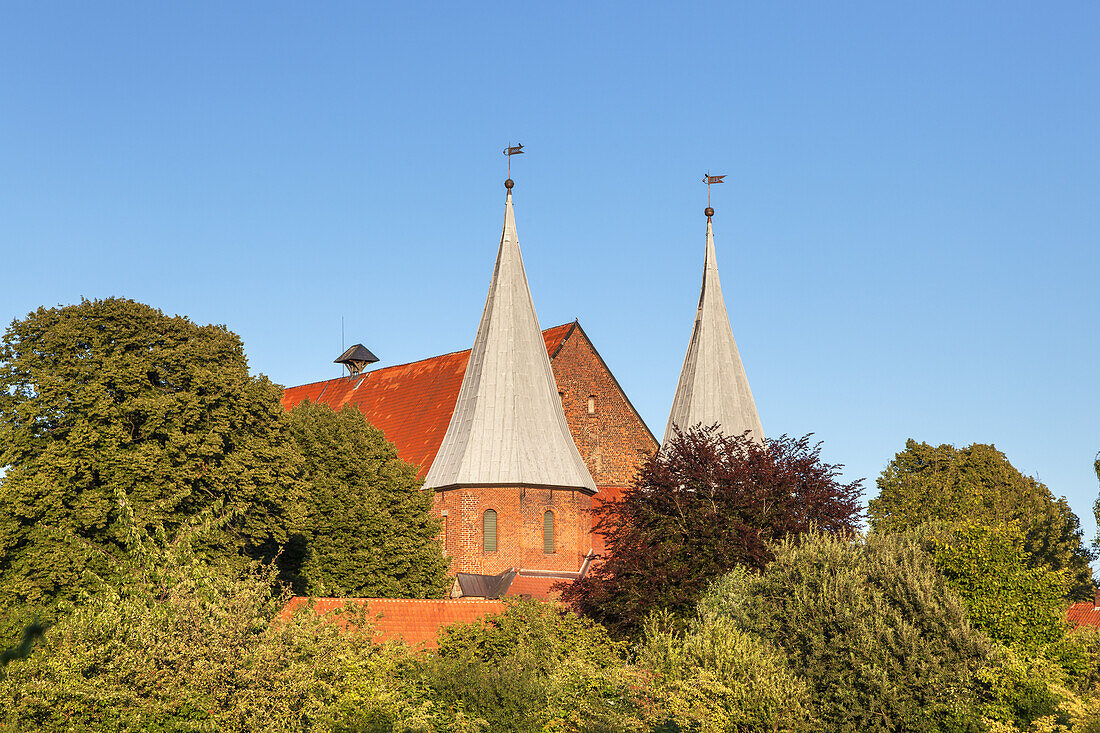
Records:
x=713, y=386
x=508, y=427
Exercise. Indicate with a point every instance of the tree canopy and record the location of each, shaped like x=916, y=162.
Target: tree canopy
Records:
x=978, y=484
x=112, y=395
x=367, y=528
x=706, y=503
x=1008, y=598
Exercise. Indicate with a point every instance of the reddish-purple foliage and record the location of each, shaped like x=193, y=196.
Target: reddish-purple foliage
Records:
x=703, y=505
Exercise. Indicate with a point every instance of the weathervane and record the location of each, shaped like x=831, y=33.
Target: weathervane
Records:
x=709, y=179
x=510, y=151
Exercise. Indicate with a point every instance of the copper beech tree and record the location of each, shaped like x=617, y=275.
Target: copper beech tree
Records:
x=706, y=503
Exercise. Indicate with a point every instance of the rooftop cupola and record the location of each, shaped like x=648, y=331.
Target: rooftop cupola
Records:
x=356, y=359
x=508, y=428
x=713, y=386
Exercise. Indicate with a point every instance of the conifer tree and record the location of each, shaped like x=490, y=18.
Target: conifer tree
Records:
x=111, y=396
x=367, y=528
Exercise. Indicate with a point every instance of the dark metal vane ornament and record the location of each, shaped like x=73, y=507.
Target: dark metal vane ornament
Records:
x=709, y=180
x=510, y=151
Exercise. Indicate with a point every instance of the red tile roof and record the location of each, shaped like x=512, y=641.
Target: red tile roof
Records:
x=536, y=587
x=410, y=403
x=1084, y=613
x=415, y=621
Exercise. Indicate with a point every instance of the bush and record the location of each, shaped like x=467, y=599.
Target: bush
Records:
x=882, y=642
x=712, y=676
x=537, y=667
x=172, y=645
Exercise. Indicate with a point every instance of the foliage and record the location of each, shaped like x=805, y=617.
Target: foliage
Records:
x=539, y=667
x=172, y=644
x=712, y=676
x=1034, y=693
x=32, y=633
x=977, y=483
x=1008, y=598
x=1096, y=506
x=112, y=395
x=367, y=528
x=882, y=642
x=706, y=503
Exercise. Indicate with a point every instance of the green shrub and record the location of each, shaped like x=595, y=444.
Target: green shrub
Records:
x=712, y=676
x=538, y=666
x=171, y=645
x=882, y=642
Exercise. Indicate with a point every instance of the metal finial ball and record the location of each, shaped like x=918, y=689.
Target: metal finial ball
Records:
x=708, y=211
x=508, y=183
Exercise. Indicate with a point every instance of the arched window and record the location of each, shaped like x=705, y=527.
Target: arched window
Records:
x=489, y=530
x=548, y=533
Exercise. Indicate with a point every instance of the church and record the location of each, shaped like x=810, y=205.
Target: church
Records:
x=527, y=433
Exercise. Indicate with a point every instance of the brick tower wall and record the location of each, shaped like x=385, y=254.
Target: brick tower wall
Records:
x=612, y=440
x=520, y=512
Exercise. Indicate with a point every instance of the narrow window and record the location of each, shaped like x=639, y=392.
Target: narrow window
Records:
x=489, y=530
x=591, y=404
x=548, y=533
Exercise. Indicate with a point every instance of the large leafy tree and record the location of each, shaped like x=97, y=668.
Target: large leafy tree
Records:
x=1009, y=598
x=367, y=527
x=706, y=503
x=978, y=484
x=111, y=396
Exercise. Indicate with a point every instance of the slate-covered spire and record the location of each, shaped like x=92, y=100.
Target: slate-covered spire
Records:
x=508, y=428
x=713, y=387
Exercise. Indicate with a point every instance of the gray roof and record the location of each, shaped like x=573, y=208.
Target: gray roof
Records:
x=356, y=353
x=475, y=585
x=713, y=387
x=508, y=427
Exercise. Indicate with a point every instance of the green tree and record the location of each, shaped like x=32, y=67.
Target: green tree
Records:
x=367, y=528
x=1009, y=598
x=977, y=484
x=883, y=643
x=112, y=395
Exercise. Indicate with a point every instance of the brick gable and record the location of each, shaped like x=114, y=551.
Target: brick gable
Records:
x=412, y=405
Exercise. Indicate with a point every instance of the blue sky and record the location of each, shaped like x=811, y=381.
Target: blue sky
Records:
x=908, y=235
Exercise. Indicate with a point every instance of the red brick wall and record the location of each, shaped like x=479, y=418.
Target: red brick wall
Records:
x=613, y=441
x=520, y=513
